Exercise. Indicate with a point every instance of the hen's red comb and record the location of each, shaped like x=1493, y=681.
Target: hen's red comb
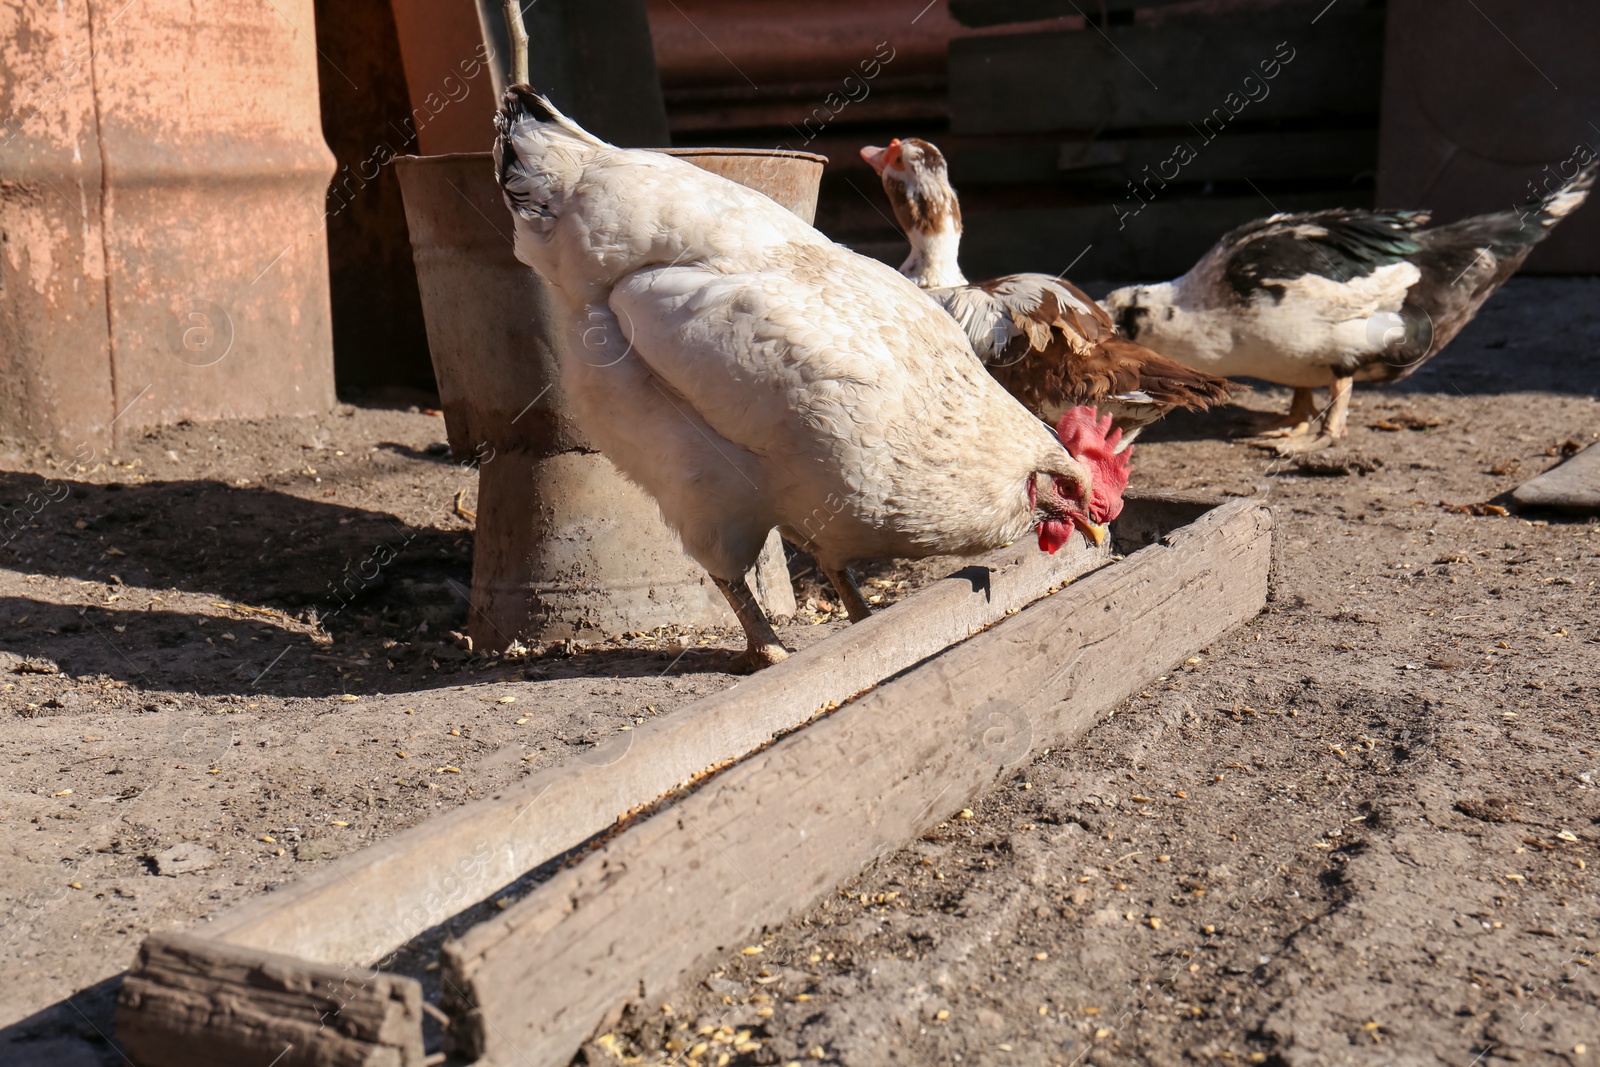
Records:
x=1091, y=441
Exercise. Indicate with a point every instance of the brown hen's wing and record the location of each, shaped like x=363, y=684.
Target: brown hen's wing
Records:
x=1064, y=351
x=1165, y=381
x=1101, y=315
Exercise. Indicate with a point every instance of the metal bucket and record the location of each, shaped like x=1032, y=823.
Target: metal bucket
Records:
x=565, y=546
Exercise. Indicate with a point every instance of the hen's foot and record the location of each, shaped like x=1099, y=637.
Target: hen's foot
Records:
x=849, y=593
x=764, y=648
x=754, y=659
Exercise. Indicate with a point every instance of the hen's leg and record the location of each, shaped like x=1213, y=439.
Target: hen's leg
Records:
x=1335, y=422
x=1301, y=411
x=763, y=648
x=845, y=584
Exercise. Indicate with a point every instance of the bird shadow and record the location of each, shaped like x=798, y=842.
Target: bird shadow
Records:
x=75, y=1031
x=304, y=597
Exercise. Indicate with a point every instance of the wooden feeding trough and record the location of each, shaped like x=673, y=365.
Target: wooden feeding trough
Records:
x=1572, y=486
x=939, y=694
x=565, y=546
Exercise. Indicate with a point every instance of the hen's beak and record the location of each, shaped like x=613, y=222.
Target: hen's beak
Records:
x=1093, y=532
x=879, y=159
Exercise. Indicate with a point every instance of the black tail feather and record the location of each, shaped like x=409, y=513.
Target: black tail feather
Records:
x=1464, y=262
x=1512, y=234
x=520, y=101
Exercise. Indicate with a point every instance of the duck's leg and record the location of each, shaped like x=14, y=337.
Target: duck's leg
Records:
x=1301, y=411
x=763, y=648
x=1334, y=423
x=845, y=584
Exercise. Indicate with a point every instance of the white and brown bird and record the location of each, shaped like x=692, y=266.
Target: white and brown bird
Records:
x=1043, y=338
x=749, y=373
x=1330, y=298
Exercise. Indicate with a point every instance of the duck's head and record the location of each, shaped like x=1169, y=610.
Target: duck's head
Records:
x=917, y=180
x=1141, y=311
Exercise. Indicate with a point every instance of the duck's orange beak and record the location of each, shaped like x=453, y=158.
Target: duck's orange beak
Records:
x=881, y=159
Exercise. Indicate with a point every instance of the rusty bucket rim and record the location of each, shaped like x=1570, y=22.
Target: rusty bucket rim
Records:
x=694, y=150
x=774, y=153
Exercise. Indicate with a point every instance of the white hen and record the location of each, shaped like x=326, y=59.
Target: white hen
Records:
x=749, y=373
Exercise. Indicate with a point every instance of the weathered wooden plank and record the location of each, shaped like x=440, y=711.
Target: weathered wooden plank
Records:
x=800, y=109
x=1000, y=12
x=1232, y=156
x=783, y=828
x=366, y=903
x=1151, y=515
x=1339, y=155
x=1202, y=71
x=1156, y=240
x=194, y=1002
x=1004, y=159
x=1571, y=486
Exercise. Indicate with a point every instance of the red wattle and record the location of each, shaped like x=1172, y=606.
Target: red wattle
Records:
x=1053, y=534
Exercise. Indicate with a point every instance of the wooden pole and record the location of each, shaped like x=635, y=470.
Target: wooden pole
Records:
x=519, y=42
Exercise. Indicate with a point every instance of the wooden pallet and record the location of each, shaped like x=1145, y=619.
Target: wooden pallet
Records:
x=657, y=899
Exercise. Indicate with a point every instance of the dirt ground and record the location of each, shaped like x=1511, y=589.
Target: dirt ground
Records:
x=1362, y=829
x=183, y=667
